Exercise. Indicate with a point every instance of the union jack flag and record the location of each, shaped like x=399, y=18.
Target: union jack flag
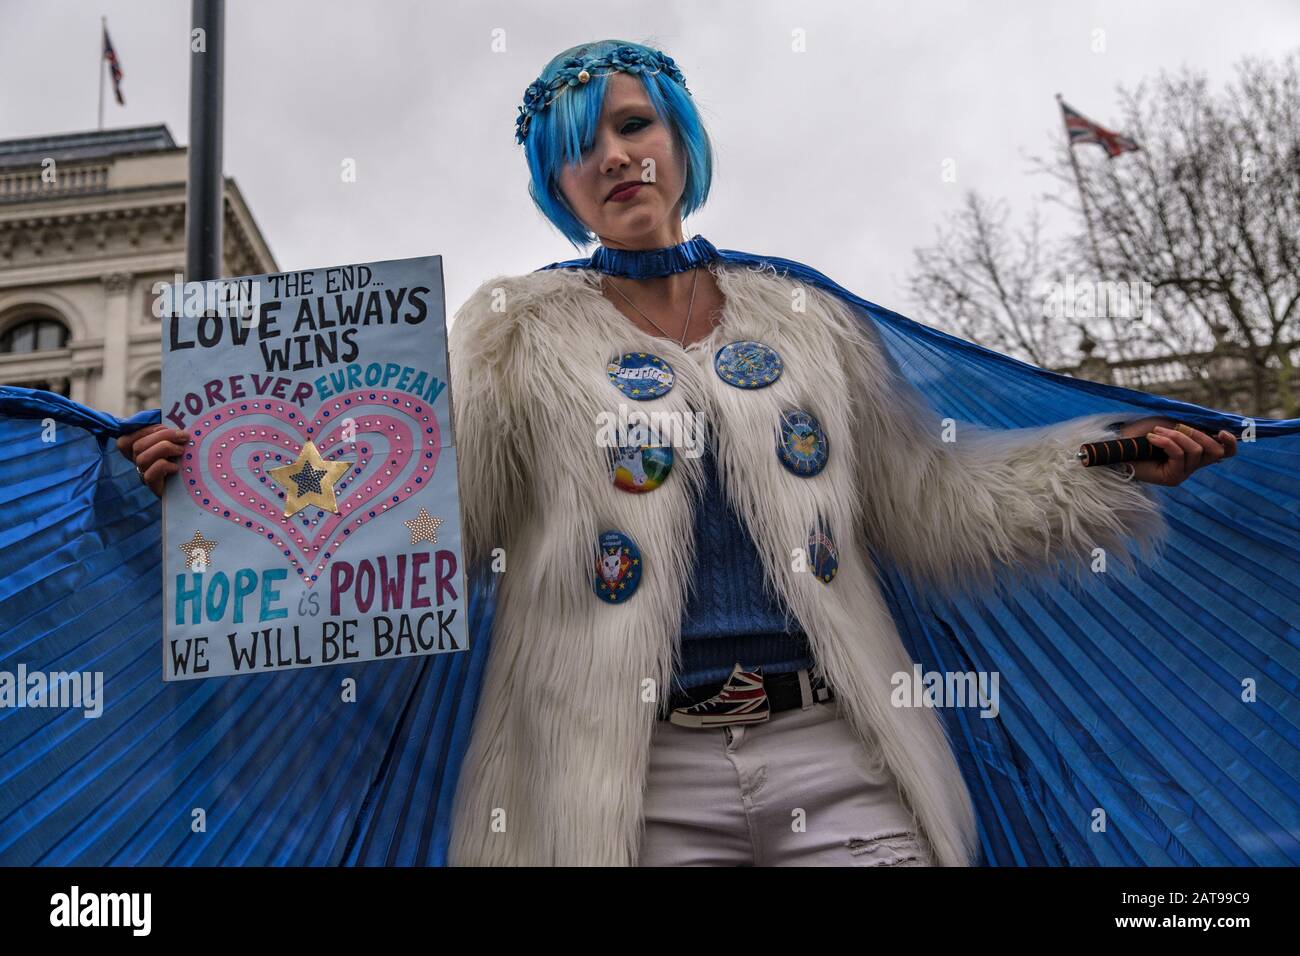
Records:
x=1083, y=130
x=114, y=67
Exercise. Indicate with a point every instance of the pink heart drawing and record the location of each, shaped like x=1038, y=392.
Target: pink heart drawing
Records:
x=394, y=455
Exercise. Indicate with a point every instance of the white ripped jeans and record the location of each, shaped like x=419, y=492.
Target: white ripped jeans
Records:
x=795, y=790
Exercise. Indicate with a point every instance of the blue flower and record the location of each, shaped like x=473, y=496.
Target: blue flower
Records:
x=535, y=96
x=627, y=59
x=541, y=94
x=667, y=64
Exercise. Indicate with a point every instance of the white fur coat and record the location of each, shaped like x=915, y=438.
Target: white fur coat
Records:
x=557, y=760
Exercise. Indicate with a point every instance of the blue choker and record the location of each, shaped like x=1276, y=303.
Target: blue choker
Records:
x=651, y=263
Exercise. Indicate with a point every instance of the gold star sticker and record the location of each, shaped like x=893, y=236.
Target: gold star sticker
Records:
x=197, y=544
x=309, y=481
x=423, y=528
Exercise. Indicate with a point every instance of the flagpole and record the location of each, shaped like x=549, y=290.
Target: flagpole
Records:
x=204, y=202
x=103, y=33
x=1078, y=181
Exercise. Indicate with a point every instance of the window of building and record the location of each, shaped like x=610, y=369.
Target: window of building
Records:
x=34, y=335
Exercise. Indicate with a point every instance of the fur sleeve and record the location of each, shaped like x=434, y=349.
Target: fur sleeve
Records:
x=492, y=451
x=969, y=506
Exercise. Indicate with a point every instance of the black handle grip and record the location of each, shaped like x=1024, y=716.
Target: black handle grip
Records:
x=1116, y=450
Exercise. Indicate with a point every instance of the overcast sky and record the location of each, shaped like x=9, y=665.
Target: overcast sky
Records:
x=831, y=156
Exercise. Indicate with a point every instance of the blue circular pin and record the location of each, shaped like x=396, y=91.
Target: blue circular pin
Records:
x=640, y=375
x=822, y=553
x=748, y=364
x=803, y=447
x=618, y=567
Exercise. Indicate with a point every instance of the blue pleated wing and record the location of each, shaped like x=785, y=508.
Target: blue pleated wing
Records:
x=1134, y=699
x=1130, y=705
x=261, y=769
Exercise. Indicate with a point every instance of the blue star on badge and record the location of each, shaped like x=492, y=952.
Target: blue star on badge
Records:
x=309, y=481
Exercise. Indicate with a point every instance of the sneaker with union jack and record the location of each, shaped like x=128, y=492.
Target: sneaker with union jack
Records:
x=742, y=700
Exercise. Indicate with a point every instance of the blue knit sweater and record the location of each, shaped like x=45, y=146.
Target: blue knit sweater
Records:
x=729, y=616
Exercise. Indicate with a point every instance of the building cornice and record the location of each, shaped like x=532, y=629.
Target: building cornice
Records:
x=119, y=223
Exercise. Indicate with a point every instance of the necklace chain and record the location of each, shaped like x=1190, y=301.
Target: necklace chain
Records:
x=690, y=309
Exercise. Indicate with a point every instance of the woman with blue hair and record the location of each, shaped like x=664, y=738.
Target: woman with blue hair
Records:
x=695, y=656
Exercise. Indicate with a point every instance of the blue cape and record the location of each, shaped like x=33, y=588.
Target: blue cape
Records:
x=1128, y=699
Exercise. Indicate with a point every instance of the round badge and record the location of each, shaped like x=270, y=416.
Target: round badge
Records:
x=822, y=554
x=803, y=447
x=641, y=468
x=618, y=567
x=748, y=364
x=640, y=375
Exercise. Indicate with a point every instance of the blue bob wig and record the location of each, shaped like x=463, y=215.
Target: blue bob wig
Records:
x=561, y=133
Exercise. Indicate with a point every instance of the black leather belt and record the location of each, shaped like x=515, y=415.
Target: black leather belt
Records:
x=783, y=692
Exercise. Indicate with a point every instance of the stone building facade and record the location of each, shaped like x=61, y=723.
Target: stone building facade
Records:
x=89, y=222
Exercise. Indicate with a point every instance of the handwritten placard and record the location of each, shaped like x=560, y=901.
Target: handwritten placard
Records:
x=315, y=517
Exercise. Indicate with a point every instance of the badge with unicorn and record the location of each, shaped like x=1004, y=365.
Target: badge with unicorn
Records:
x=315, y=518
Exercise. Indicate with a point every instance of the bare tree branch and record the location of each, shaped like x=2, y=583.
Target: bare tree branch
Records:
x=1206, y=216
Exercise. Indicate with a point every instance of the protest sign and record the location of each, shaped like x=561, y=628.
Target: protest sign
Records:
x=315, y=518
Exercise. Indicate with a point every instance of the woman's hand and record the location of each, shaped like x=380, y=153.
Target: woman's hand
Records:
x=154, y=449
x=1187, y=450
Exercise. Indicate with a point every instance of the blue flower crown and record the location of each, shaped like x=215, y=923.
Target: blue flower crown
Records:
x=577, y=69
